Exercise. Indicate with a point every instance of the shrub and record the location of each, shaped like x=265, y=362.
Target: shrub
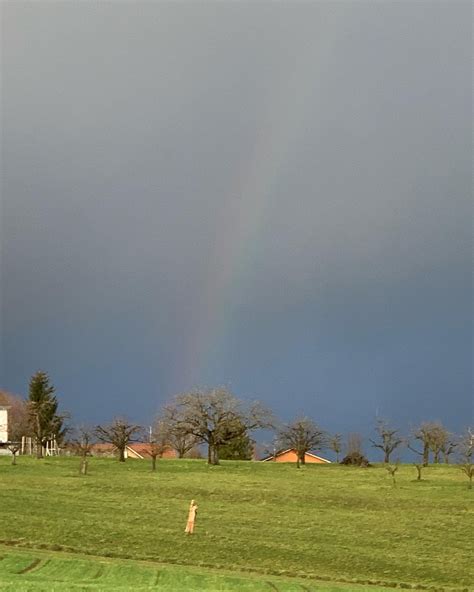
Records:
x=356, y=459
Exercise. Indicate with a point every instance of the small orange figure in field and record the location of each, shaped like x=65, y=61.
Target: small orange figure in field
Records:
x=191, y=518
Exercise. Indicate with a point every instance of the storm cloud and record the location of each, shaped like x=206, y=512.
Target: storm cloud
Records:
x=273, y=196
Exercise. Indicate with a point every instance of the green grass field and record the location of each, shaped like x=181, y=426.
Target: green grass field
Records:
x=261, y=526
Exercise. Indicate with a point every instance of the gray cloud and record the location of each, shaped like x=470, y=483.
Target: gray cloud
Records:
x=272, y=195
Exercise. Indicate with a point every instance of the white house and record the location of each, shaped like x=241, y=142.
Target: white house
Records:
x=3, y=424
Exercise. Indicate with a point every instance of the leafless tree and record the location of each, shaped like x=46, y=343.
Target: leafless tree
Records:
x=14, y=448
x=440, y=441
x=119, y=433
x=448, y=447
x=159, y=440
x=466, y=451
x=354, y=444
x=179, y=437
x=419, y=467
x=82, y=444
x=302, y=435
x=392, y=469
x=388, y=439
x=468, y=470
x=423, y=434
x=213, y=416
x=335, y=444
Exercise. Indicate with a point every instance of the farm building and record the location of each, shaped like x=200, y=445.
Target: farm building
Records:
x=133, y=450
x=3, y=424
x=289, y=455
x=143, y=450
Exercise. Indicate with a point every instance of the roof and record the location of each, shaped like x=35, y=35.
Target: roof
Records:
x=143, y=449
x=102, y=447
x=281, y=452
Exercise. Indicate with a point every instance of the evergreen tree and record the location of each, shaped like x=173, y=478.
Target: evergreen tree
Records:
x=239, y=447
x=45, y=422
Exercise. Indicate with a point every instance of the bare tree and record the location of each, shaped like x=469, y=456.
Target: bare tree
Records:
x=392, y=469
x=419, y=467
x=302, y=435
x=424, y=434
x=448, y=447
x=335, y=444
x=468, y=470
x=213, y=416
x=354, y=444
x=159, y=440
x=119, y=433
x=82, y=444
x=178, y=435
x=466, y=451
x=434, y=438
x=14, y=448
x=388, y=439
x=439, y=440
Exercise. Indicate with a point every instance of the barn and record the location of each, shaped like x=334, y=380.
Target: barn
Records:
x=290, y=456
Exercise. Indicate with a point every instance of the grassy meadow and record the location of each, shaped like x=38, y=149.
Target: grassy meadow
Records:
x=260, y=526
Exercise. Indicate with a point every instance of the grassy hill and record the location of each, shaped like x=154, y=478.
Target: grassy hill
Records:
x=327, y=524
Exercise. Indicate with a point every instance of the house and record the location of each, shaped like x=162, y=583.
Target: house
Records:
x=133, y=450
x=3, y=423
x=290, y=455
x=103, y=449
x=144, y=449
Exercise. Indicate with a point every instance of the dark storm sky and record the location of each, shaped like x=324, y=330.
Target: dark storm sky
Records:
x=273, y=196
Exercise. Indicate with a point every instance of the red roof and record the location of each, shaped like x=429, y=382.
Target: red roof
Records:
x=143, y=449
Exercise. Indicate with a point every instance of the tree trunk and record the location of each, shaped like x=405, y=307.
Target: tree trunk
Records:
x=39, y=443
x=83, y=467
x=303, y=458
x=153, y=463
x=215, y=455
x=387, y=457
x=436, y=457
x=122, y=454
x=209, y=454
x=39, y=448
x=14, y=459
x=426, y=455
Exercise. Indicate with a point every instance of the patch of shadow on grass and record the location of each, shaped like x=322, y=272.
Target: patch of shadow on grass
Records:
x=272, y=586
x=33, y=565
x=157, y=579
x=99, y=572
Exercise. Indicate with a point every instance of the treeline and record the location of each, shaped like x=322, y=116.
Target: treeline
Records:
x=224, y=424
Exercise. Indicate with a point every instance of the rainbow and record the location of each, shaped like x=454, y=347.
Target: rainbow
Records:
x=283, y=118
